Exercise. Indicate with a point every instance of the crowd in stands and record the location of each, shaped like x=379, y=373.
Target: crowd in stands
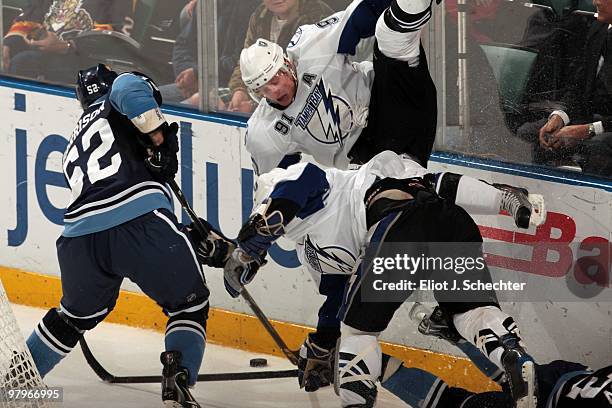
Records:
x=538, y=80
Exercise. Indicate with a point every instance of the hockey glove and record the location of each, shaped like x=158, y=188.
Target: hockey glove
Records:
x=239, y=270
x=213, y=250
x=315, y=363
x=163, y=161
x=258, y=234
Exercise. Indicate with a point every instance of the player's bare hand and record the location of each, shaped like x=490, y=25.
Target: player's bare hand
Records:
x=553, y=125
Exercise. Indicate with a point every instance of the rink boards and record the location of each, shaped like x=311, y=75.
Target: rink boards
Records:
x=216, y=177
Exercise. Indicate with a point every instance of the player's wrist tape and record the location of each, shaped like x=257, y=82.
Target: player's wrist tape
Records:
x=149, y=121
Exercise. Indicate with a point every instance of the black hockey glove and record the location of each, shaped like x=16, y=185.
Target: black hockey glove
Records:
x=315, y=361
x=213, y=250
x=163, y=161
x=239, y=270
x=261, y=230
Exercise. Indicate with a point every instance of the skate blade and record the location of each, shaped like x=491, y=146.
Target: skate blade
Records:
x=531, y=399
x=538, y=209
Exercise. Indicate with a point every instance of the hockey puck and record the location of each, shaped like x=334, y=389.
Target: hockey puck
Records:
x=258, y=362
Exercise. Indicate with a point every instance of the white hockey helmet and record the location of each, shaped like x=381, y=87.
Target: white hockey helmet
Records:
x=264, y=184
x=260, y=62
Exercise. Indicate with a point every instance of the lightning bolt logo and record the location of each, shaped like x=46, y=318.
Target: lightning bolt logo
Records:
x=330, y=119
x=331, y=259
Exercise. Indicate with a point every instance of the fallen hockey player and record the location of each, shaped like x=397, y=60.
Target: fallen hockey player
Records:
x=390, y=199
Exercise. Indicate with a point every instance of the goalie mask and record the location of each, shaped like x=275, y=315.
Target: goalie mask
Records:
x=262, y=62
x=93, y=83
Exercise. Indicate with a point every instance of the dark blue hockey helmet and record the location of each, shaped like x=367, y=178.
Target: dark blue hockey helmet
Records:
x=93, y=83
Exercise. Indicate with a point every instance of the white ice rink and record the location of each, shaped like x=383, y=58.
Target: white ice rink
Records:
x=123, y=350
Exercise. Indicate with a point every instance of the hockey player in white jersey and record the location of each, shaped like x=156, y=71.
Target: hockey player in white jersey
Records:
x=314, y=100
x=335, y=216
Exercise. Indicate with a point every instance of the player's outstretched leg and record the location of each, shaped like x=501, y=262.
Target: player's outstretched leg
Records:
x=496, y=334
x=175, y=387
x=185, y=342
x=398, y=30
x=358, y=368
x=55, y=336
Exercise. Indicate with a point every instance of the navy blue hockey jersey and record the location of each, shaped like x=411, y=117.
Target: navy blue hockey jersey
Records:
x=104, y=162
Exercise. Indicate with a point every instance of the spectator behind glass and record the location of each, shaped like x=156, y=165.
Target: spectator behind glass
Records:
x=581, y=132
x=232, y=18
x=38, y=45
x=274, y=20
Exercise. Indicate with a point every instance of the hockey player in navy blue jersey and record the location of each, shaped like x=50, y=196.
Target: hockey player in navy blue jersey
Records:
x=332, y=215
x=120, y=224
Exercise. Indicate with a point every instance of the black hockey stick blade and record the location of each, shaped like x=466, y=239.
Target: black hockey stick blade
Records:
x=107, y=377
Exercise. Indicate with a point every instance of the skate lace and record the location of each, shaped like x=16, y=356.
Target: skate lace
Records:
x=512, y=201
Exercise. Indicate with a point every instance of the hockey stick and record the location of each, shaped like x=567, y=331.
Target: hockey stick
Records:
x=204, y=231
x=107, y=377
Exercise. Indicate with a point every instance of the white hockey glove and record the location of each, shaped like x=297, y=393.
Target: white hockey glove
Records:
x=239, y=270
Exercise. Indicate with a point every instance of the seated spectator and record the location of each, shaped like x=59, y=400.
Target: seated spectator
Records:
x=276, y=21
x=581, y=130
x=184, y=58
x=232, y=18
x=559, y=42
x=38, y=45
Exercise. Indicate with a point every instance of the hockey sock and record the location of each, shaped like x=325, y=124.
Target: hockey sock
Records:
x=52, y=339
x=416, y=387
x=398, y=29
x=188, y=337
x=483, y=327
x=475, y=196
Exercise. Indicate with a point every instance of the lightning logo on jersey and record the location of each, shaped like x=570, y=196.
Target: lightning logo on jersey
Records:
x=328, y=118
x=329, y=260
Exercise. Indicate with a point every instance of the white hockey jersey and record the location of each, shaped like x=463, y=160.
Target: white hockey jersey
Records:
x=330, y=240
x=331, y=103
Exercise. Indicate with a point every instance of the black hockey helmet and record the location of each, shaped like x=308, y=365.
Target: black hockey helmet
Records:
x=93, y=83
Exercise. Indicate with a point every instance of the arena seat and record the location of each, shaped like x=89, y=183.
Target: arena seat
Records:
x=511, y=67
